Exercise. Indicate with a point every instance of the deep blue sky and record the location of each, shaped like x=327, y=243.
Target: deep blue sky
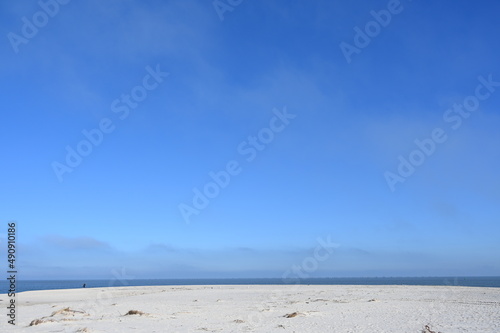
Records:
x=323, y=175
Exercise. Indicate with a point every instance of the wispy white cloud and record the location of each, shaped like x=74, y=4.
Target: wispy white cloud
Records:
x=74, y=243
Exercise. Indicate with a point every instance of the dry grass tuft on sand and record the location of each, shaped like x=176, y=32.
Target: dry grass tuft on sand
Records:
x=50, y=319
x=291, y=315
x=134, y=312
x=38, y=322
x=66, y=311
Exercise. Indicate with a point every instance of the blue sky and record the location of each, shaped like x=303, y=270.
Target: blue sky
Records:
x=322, y=175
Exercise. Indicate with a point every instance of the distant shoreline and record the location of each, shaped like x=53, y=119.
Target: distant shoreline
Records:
x=483, y=281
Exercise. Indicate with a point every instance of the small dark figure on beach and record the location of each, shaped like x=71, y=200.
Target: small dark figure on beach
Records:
x=84, y=285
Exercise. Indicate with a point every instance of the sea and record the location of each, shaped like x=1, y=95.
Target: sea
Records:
x=28, y=285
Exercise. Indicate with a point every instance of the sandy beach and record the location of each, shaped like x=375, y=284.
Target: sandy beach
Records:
x=268, y=308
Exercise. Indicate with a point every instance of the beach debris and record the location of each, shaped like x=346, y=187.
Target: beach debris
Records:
x=134, y=312
x=238, y=321
x=291, y=315
x=280, y=326
x=372, y=300
x=427, y=329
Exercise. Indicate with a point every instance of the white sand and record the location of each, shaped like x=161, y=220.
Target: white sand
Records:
x=373, y=309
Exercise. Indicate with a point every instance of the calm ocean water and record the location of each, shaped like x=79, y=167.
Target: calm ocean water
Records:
x=26, y=285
